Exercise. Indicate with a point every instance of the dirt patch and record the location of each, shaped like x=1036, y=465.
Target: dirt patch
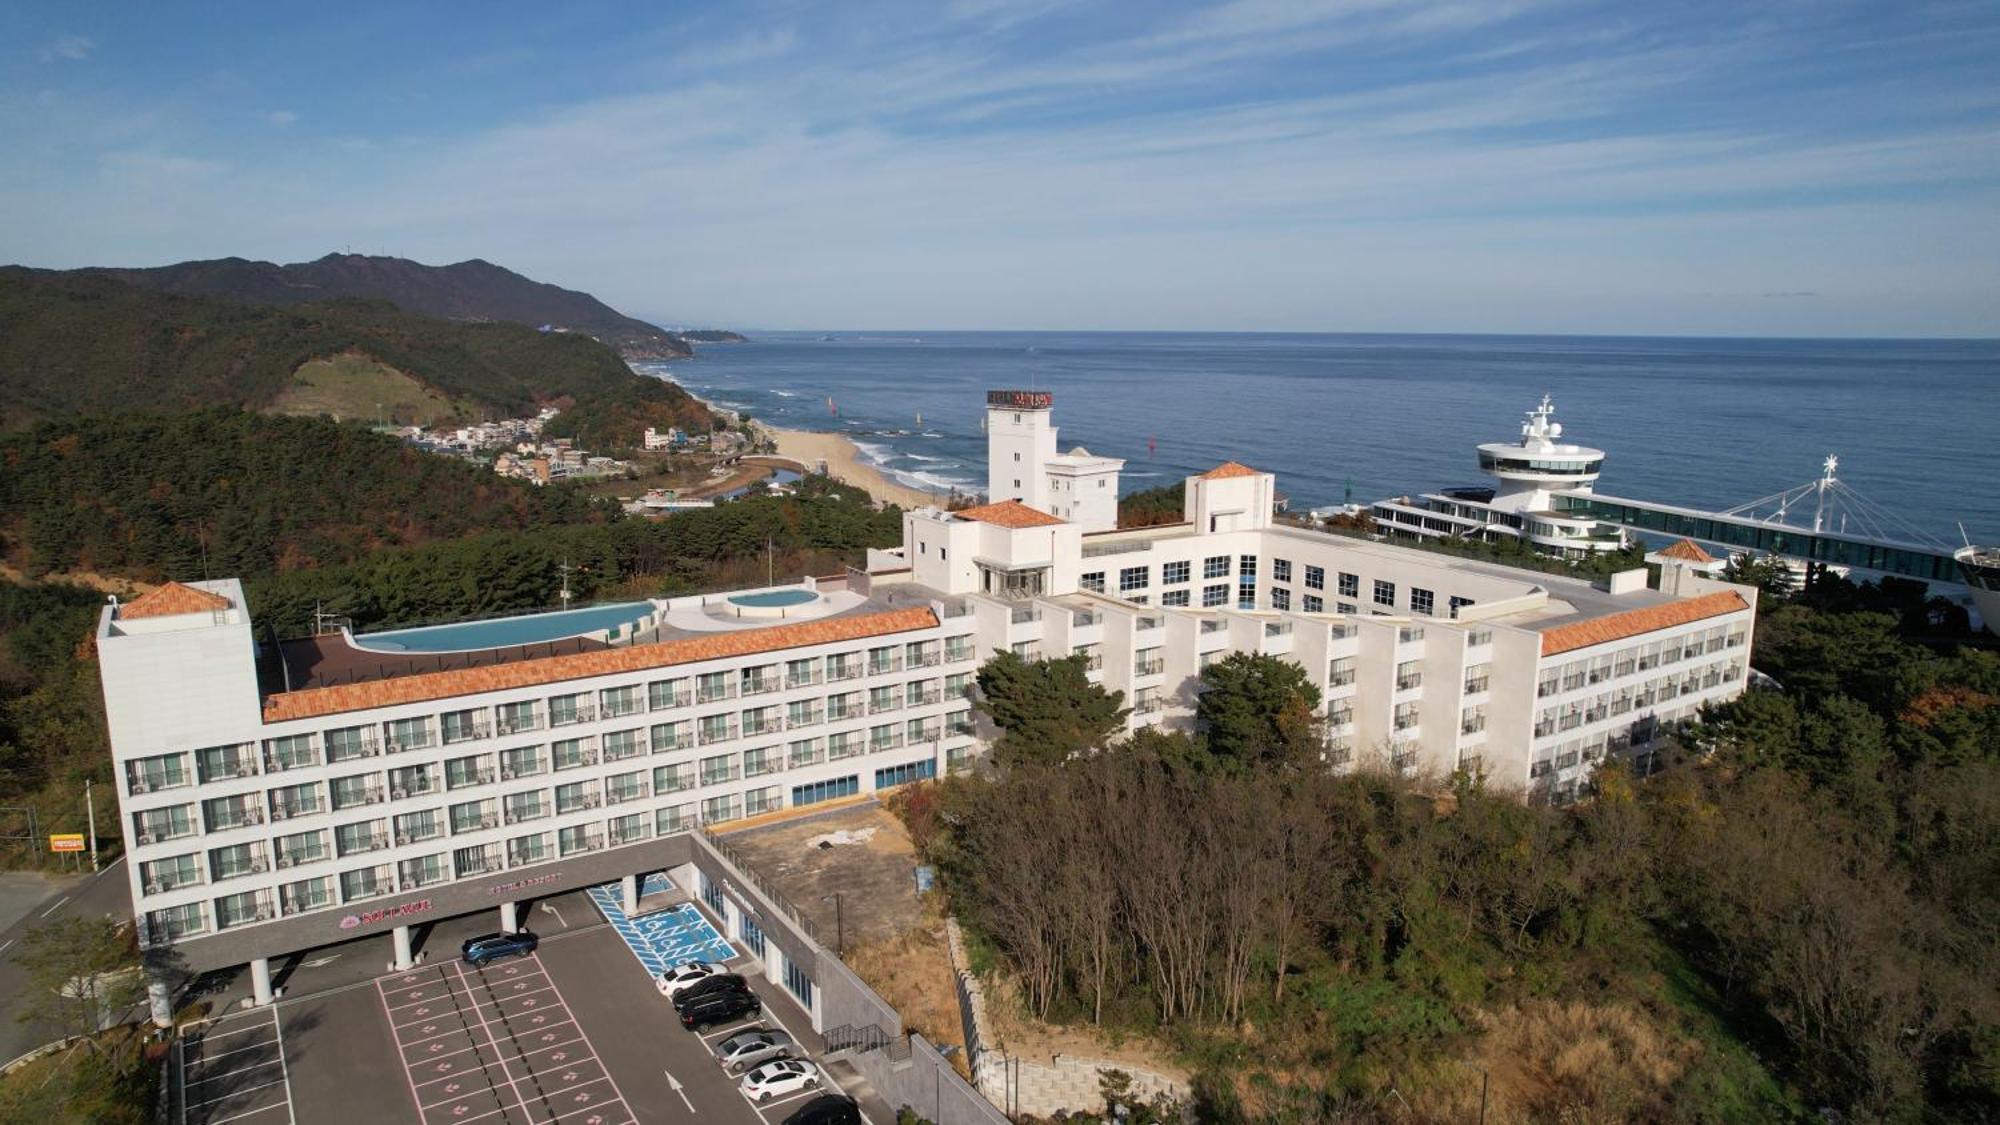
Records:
x=913, y=973
x=1023, y=1035
x=355, y=386
x=859, y=892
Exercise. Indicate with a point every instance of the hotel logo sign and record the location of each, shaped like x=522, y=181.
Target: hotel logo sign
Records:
x=355, y=921
x=1021, y=400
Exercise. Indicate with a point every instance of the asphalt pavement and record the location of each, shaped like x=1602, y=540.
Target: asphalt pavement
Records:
x=105, y=893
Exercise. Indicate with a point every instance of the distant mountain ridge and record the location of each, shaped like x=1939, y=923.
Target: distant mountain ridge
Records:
x=474, y=290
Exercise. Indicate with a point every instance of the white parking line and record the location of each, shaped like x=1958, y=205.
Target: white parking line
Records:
x=252, y=1112
x=282, y=1068
x=234, y=1093
x=208, y=1058
x=238, y=1070
x=206, y=1035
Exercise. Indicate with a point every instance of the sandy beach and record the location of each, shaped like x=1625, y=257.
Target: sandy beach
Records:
x=844, y=463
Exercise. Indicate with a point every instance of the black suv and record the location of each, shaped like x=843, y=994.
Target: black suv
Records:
x=827, y=1109
x=478, y=951
x=720, y=982
x=719, y=1007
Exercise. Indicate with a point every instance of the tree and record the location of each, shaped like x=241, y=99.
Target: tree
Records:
x=1048, y=711
x=81, y=972
x=1257, y=709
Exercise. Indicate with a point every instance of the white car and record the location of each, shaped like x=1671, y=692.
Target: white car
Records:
x=776, y=1079
x=684, y=974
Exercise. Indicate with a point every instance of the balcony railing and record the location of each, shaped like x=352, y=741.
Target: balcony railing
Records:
x=412, y=740
x=928, y=659
x=806, y=679
x=846, y=670
x=518, y=724
x=583, y=801
x=960, y=726
x=373, y=842
x=637, y=792
x=884, y=667
x=762, y=725
x=662, y=701
x=1149, y=706
x=467, y=732
x=717, y=734
x=1474, y=687
x=1410, y=682
x=1148, y=667
x=763, y=685
x=239, y=818
x=577, y=761
x=526, y=813
x=581, y=713
x=478, y=823
x=482, y=865
x=711, y=693
x=891, y=742
x=469, y=779
x=675, y=783
x=1021, y=615
x=415, y=786
x=153, y=782
x=718, y=776
x=804, y=718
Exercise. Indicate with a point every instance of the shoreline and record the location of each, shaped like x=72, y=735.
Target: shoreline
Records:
x=844, y=460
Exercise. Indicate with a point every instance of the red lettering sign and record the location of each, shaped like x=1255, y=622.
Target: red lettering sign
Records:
x=1021, y=400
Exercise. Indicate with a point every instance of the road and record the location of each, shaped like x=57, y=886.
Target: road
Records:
x=104, y=894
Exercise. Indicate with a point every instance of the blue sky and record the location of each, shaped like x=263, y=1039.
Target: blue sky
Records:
x=1788, y=168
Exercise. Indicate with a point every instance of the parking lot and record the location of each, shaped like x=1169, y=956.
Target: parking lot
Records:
x=574, y=1033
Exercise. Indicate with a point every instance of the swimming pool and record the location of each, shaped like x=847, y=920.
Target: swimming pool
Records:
x=772, y=599
x=531, y=629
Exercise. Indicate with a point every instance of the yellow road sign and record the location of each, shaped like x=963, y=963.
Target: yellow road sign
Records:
x=66, y=842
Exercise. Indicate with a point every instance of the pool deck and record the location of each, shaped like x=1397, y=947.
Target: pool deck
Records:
x=329, y=660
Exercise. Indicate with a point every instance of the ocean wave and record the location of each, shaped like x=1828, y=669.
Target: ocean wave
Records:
x=786, y=394
x=925, y=457
x=930, y=482
x=877, y=455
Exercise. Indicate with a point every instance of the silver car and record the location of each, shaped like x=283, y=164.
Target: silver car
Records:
x=746, y=1049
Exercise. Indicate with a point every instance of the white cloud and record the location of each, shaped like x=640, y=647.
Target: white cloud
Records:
x=281, y=117
x=67, y=48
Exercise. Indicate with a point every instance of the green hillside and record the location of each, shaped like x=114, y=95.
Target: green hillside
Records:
x=221, y=491
x=78, y=343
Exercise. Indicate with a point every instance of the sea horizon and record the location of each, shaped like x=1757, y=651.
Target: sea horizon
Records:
x=1707, y=422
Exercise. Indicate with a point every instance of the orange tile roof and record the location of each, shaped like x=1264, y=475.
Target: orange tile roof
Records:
x=1229, y=469
x=1633, y=622
x=313, y=702
x=1008, y=513
x=1687, y=550
x=171, y=600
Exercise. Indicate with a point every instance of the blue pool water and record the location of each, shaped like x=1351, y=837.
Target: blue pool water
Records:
x=501, y=632
x=773, y=598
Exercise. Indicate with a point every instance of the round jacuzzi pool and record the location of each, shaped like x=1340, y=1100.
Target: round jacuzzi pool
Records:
x=770, y=603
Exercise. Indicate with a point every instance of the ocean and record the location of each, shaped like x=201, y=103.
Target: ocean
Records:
x=1697, y=422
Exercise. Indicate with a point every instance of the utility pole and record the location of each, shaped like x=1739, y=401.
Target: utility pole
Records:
x=566, y=595
x=90, y=811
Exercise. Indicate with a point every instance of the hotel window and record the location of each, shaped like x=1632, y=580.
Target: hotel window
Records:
x=1409, y=674
x=1472, y=719
x=804, y=752
x=1174, y=573
x=1174, y=598
x=673, y=779
x=295, y=800
x=564, y=709
x=801, y=713
x=886, y=698
x=619, y=700
x=671, y=736
x=410, y=734
x=711, y=686
x=164, y=771
x=463, y=726
x=477, y=860
x=175, y=922
x=1246, y=593
x=892, y=776
x=577, y=795
x=1281, y=570
x=235, y=861
x=1093, y=582
x=524, y=762
x=527, y=849
x=163, y=875
x=887, y=658
x=580, y=838
x=1476, y=678
x=756, y=681
x=763, y=760
x=717, y=728
x=846, y=744
x=155, y=825
x=1246, y=567
x=622, y=787
x=664, y=694
x=1315, y=604
x=958, y=684
x=798, y=983
x=720, y=768
x=238, y=909
x=957, y=649
x=306, y=894
x=844, y=705
x=369, y=882
x=364, y=836
x=676, y=818
x=289, y=753
x=518, y=807
x=1479, y=637
x=359, y=789
x=1212, y=596
x=716, y=810
x=622, y=744
x=1421, y=600
x=1030, y=651
x=1215, y=566
x=425, y=825
x=760, y=801
x=1315, y=578
x=1385, y=593
x=630, y=827
x=802, y=673
x=1350, y=585
x=517, y=717
x=472, y=816
x=1341, y=672
x=1281, y=598
x=1405, y=716
x=219, y=763
x=1134, y=578
x=885, y=736
x=572, y=753
x=1457, y=603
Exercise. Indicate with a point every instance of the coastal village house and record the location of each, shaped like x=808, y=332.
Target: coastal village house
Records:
x=284, y=796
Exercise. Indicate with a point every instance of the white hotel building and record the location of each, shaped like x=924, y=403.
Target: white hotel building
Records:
x=281, y=797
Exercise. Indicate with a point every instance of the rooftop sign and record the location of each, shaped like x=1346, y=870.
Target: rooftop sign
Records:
x=1021, y=400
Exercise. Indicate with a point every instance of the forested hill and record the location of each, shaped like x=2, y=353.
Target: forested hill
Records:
x=221, y=491
x=474, y=290
x=74, y=342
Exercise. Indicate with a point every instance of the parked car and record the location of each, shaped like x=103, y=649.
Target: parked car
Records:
x=685, y=974
x=719, y=1007
x=480, y=950
x=709, y=986
x=776, y=1079
x=746, y=1049
x=827, y=1109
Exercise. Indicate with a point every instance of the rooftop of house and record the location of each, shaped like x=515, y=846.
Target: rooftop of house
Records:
x=169, y=600
x=1228, y=470
x=1010, y=514
x=1686, y=550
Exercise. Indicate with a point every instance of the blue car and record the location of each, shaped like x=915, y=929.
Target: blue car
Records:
x=480, y=950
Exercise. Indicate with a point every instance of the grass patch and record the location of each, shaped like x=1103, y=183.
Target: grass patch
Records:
x=115, y=1083
x=352, y=386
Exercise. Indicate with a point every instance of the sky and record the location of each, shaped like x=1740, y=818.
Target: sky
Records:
x=1793, y=168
